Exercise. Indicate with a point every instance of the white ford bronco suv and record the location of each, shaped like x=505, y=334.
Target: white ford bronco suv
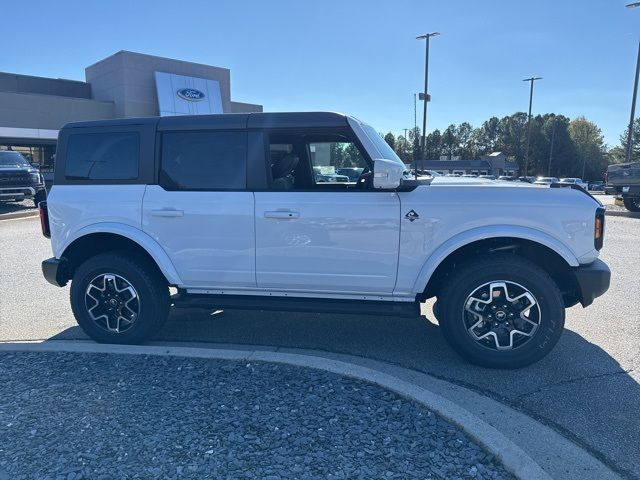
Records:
x=248, y=211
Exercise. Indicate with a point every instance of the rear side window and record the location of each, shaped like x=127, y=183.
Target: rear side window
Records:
x=204, y=161
x=103, y=156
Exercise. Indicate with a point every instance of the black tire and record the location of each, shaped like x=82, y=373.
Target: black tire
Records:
x=41, y=196
x=632, y=203
x=151, y=289
x=468, y=279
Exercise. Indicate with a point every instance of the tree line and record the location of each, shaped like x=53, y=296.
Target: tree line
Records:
x=559, y=146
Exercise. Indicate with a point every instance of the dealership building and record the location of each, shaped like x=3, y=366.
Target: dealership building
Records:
x=126, y=84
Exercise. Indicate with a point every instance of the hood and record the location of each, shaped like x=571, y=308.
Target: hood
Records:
x=17, y=169
x=468, y=181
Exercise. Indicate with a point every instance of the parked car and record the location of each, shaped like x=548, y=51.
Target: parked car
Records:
x=507, y=178
x=597, y=186
x=487, y=177
x=329, y=177
x=19, y=180
x=203, y=204
x=573, y=181
x=624, y=179
x=527, y=179
x=353, y=174
x=546, y=180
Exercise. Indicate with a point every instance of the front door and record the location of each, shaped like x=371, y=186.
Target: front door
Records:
x=200, y=212
x=321, y=228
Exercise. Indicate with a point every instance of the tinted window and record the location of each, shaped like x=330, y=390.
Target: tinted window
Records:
x=103, y=156
x=204, y=161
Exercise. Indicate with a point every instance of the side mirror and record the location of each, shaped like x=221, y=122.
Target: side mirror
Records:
x=387, y=174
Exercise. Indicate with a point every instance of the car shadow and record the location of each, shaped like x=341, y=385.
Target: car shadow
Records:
x=578, y=388
x=11, y=207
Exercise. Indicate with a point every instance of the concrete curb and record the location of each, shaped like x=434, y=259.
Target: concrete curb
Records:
x=615, y=213
x=575, y=462
x=21, y=214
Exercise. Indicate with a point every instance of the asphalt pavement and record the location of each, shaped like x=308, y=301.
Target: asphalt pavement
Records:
x=587, y=388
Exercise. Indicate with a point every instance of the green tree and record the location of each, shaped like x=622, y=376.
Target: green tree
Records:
x=391, y=140
x=620, y=153
x=487, y=136
x=467, y=148
x=449, y=142
x=434, y=145
x=591, y=161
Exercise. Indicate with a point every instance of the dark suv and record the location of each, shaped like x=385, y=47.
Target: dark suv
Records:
x=19, y=179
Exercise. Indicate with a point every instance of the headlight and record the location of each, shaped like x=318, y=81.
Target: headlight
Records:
x=35, y=177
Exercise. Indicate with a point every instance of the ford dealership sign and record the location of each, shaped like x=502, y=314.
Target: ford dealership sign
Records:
x=191, y=94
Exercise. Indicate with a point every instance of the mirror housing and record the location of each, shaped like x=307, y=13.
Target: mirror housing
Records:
x=387, y=174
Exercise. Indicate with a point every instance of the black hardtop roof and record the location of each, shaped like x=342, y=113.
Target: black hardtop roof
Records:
x=226, y=121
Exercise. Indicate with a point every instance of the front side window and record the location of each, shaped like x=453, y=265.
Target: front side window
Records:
x=315, y=161
x=204, y=161
x=336, y=161
x=103, y=156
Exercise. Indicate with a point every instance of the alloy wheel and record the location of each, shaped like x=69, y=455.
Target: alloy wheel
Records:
x=501, y=315
x=112, y=302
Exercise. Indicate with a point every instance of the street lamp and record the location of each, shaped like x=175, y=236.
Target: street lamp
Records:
x=426, y=37
x=635, y=94
x=526, y=152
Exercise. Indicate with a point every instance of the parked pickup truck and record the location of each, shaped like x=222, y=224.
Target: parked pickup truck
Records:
x=624, y=179
x=227, y=210
x=19, y=179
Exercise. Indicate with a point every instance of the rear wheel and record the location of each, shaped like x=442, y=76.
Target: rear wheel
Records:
x=502, y=311
x=119, y=298
x=632, y=203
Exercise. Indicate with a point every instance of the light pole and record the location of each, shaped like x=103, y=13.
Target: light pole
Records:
x=526, y=152
x=633, y=101
x=406, y=140
x=426, y=37
x=553, y=137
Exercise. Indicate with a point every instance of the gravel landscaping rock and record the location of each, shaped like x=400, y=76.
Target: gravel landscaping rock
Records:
x=77, y=416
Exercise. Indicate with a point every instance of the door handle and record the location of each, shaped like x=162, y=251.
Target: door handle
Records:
x=167, y=212
x=282, y=214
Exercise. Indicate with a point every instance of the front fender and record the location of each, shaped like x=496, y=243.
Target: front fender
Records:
x=136, y=235
x=483, y=233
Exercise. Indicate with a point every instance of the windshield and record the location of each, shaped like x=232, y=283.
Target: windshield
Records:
x=383, y=147
x=12, y=158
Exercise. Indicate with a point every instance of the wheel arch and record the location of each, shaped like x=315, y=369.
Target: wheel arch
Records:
x=100, y=238
x=548, y=253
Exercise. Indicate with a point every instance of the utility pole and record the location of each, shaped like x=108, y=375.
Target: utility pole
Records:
x=633, y=109
x=553, y=137
x=415, y=127
x=526, y=152
x=426, y=37
x=633, y=101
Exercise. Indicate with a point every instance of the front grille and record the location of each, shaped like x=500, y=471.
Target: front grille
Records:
x=10, y=180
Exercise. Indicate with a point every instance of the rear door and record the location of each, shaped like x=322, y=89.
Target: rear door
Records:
x=200, y=211
x=319, y=231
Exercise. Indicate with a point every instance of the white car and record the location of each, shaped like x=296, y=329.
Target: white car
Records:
x=227, y=209
x=546, y=180
x=574, y=181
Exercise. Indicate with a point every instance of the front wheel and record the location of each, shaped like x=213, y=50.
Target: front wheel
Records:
x=632, y=203
x=119, y=298
x=501, y=311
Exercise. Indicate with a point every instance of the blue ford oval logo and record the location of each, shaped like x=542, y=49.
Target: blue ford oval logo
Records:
x=190, y=94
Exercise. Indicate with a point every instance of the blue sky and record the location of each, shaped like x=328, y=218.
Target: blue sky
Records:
x=359, y=57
